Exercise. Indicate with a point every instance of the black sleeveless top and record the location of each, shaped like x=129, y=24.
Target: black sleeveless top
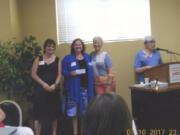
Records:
x=48, y=72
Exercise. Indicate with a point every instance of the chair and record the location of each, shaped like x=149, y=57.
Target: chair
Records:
x=13, y=113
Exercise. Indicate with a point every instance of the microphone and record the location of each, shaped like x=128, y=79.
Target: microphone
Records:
x=167, y=51
x=160, y=49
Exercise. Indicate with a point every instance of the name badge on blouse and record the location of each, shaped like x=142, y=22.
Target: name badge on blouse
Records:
x=144, y=56
x=90, y=63
x=80, y=71
x=73, y=64
x=41, y=62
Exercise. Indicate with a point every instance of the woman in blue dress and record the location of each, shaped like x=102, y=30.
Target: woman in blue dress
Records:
x=78, y=75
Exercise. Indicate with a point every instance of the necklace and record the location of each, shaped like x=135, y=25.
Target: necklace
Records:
x=49, y=59
x=80, y=57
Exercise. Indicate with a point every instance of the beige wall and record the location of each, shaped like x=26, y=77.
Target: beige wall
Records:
x=5, y=30
x=10, y=21
x=16, y=31
x=165, y=25
x=178, y=27
x=37, y=18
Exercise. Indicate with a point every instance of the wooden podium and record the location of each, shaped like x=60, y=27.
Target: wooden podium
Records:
x=168, y=72
x=158, y=110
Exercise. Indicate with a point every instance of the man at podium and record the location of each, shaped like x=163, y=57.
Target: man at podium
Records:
x=146, y=58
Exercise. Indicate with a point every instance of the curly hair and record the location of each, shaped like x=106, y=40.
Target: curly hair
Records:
x=73, y=43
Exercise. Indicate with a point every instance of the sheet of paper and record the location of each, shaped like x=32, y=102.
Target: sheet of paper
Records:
x=80, y=71
x=174, y=73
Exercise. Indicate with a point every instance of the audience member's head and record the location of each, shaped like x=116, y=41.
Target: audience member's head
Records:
x=2, y=115
x=107, y=114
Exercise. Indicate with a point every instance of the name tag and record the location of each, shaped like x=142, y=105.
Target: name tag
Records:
x=80, y=71
x=144, y=56
x=90, y=63
x=41, y=62
x=73, y=64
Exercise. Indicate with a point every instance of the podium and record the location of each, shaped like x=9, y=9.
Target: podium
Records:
x=168, y=72
x=158, y=110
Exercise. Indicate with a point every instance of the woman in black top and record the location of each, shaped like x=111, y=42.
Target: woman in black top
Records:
x=46, y=71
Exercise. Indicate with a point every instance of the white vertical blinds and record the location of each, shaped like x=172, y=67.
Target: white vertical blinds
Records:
x=113, y=20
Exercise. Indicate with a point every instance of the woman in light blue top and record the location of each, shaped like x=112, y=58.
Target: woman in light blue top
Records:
x=146, y=58
x=102, y=68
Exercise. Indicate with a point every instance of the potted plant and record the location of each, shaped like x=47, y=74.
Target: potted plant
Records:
x=16, y=60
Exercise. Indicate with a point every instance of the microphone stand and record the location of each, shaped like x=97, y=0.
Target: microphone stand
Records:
x=171, y=52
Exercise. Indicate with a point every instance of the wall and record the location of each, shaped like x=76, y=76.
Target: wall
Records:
x=178, y=27
x=5, y=20
x=165, y=25
x=10, y=21
x=16, y=31
x=38, y=19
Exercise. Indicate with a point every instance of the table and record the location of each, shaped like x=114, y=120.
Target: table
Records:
x=156, y=112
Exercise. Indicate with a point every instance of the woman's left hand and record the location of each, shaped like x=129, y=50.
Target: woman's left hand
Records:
x=52, y=87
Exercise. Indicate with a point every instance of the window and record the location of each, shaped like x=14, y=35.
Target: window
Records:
x=113, y=20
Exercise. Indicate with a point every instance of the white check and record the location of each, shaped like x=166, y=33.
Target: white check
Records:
x=80, y=71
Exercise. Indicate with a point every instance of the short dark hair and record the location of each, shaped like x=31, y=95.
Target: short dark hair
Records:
x=47, y=42
x=73, y=43
x=107, y=114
